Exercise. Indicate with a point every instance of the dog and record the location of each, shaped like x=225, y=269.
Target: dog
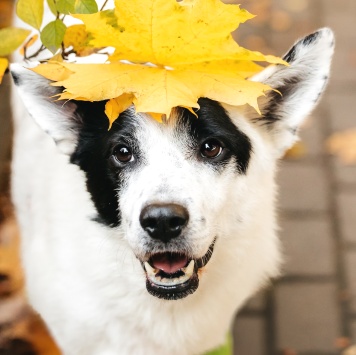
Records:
x=147, y=238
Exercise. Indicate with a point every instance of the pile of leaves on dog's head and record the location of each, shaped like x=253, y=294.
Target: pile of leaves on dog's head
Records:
x=159, y=54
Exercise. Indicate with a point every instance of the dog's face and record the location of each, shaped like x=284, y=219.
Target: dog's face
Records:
x=165, y=186
x=174, y=190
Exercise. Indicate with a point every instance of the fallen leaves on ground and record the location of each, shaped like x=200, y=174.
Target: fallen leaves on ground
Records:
x=21, y=329
x=299, y=150
x=350, y=351
x=9, y=255
x=343, y=146
x=3, y=66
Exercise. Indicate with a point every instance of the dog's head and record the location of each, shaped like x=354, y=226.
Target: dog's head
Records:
x=176, y=190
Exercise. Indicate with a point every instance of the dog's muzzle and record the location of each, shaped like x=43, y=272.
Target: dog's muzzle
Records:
x=170, y=275
x=173, y=276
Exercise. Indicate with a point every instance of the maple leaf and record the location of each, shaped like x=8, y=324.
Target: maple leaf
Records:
x=77, y=38
x=188, y=45
x=3, y=66
x=115, y=106
x=169, y=33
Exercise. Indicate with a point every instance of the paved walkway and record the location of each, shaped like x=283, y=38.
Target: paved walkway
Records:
x=311, y=309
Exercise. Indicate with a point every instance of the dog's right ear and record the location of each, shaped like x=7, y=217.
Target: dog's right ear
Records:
x=58, y=118
x=299, y=87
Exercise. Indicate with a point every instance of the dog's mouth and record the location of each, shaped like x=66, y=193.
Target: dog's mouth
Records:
x=172, y=275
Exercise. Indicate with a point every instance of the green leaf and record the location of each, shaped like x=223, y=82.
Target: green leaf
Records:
x=52, y=6
x=52, y=35
x=65, y=7
x=226, y=349
x=85, y=7
x=31, y=12
x=11, y=38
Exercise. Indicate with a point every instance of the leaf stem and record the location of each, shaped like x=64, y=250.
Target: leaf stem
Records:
x=33, y=55
x=102, y=8
x=25, y=46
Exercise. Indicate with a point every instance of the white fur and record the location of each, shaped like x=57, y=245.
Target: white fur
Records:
x=84, y=278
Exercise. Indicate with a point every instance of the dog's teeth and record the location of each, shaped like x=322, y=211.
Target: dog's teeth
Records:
x=154, y=277
x=189, y=269
x=175, y=281
x=150, y=270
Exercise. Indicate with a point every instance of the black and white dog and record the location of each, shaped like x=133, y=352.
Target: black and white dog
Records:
x=146, y=239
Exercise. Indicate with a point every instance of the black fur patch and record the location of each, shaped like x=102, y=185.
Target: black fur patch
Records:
x=276, y=98
x=306, y=41
x=214, y=122
x=290, y=56
x=105, y=176
x=16, y=78
x=310, y=38
x=93, y=153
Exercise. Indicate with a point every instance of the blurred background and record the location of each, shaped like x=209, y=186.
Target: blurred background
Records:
x=311, y=308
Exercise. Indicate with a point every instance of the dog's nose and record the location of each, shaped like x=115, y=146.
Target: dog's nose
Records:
x=164, y=221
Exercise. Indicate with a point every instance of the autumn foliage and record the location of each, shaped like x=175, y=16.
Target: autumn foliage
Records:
x=159, y=54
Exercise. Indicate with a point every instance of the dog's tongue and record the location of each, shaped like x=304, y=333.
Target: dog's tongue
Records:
x=168, y=262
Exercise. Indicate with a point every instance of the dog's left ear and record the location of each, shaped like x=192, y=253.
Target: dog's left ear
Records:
x=59, y=119
x=299, y=87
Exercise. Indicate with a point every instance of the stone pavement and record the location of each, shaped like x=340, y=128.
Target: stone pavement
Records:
x=311, y=309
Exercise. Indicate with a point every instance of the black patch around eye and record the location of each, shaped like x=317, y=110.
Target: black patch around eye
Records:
x=214, y=122
x=92, y=156
x=96, y=145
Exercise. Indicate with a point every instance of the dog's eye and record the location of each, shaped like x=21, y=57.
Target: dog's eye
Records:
x=211, y=148
x=123, y=154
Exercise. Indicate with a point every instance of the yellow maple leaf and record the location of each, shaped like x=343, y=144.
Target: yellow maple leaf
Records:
x=77, y=38
x=117, y=105
x=155, y=89
x=170, y=33
x=53, y=71
x=157, y=116
x=189, y=49
x=3, y=66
